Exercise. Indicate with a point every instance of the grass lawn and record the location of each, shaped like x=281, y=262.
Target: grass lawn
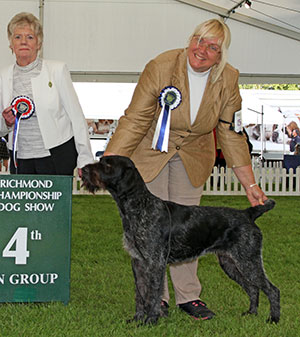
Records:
x=102, y=288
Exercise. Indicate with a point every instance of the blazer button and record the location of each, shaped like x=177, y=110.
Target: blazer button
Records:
x=177, y=147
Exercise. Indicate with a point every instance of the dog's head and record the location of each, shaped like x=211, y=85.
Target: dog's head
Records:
x=117, y=174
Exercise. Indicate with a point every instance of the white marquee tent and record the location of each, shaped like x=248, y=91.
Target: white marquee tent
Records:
x=111, y=41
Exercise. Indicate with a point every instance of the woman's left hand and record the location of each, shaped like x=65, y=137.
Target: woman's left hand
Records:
x=255, y=195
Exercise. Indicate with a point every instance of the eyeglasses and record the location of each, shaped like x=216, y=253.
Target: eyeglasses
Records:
x=210, y=47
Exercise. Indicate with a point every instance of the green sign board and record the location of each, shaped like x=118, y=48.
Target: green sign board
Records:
x=35, y=240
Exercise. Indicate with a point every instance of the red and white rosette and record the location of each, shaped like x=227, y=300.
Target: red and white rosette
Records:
x=23, y=108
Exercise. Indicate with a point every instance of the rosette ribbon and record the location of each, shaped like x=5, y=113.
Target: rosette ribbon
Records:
x=169, y=99
x=22, y=107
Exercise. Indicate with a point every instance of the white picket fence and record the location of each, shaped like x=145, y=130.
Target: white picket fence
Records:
x=273, y=180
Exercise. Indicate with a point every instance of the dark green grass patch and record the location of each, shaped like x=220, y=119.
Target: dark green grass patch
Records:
x=102, y=288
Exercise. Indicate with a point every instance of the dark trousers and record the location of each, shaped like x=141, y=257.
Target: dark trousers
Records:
x=62, y=161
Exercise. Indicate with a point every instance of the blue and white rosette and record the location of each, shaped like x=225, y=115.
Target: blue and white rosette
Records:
x=22, y=107
x=169, y=99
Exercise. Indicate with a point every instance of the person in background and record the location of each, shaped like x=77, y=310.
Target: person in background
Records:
x=167, y=130
x=40, y=109
x=4, y=154
x=294, y=133
x=295, y=141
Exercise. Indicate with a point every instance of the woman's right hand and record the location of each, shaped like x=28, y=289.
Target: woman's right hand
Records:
x=106, y=153
x=9, y=116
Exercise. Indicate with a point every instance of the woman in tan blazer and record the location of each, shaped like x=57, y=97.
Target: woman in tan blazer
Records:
x=167, y=130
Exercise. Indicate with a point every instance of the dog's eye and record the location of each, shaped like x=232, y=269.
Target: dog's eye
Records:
x=107, y=167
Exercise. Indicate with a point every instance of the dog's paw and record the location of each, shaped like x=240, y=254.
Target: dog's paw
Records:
x=152, y=319
x=249, y=312
x=136, y=318
x=273, y=319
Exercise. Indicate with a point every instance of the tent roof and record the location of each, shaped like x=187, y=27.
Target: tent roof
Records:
x=100, y=41
x=276, y=16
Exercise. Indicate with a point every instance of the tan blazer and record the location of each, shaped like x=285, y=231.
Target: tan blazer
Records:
x=194, y=143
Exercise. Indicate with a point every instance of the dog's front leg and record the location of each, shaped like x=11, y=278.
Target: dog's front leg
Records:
x=149, y=282
x=155, y=278
x=140, y=289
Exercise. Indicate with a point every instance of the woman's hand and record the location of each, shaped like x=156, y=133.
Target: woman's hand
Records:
x=254, y=194
x=9, y=116
x=106, y=153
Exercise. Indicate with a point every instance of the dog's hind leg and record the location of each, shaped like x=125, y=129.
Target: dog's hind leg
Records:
x=252, y=270
x=230, y=269
x=255, y=273
x=273, y=295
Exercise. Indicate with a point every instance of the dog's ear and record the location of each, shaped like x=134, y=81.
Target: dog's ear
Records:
x=130, y=181
x=128, y=178
x=120, y=175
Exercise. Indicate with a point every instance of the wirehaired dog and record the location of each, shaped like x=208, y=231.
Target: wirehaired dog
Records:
x=158, y=232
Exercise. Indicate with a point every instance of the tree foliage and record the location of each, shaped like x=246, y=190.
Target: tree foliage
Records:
x=270, y=86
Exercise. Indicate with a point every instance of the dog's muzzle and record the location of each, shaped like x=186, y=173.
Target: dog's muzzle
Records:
x=91, y=178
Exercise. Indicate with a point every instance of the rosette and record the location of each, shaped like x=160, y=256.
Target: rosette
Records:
x=169, y=99
x=22, y=107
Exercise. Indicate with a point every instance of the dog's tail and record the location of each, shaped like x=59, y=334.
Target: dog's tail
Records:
x=257, y=211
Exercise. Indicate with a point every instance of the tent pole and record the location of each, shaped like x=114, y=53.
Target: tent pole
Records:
x=41, y=18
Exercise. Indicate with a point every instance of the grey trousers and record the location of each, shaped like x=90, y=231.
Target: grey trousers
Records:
x=173, y=184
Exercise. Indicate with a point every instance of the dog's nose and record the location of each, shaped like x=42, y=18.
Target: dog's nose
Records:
x=85, y=169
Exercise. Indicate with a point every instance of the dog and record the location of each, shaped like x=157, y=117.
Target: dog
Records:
x=158, y=232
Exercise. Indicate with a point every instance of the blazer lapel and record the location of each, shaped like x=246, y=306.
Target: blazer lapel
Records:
x=181, y=115
x=207, y=115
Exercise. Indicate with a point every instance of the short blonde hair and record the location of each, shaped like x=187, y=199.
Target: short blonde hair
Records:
x=215, y=28
x=23, y=19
